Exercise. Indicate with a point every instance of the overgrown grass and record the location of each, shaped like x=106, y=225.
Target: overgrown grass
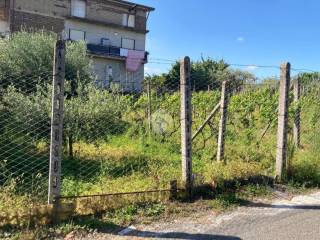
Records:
x=111, y=221
x=133, y=160
x=230, y=200
x=115, y=220
x=120, y=165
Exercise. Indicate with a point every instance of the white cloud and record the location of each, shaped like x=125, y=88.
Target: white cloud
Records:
x=240, y=39
x=252, y=68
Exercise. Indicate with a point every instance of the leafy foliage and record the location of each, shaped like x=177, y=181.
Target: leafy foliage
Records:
x=109, y=130
x=205, y=74
x=26, y=60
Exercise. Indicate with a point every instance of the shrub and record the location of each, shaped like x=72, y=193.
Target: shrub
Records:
x=26, y=59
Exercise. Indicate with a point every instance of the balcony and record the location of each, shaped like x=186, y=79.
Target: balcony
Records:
x=139, y=28
x=104, y=51
x=108, y=51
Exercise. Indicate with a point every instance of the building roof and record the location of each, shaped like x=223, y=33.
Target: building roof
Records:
x=130, y=4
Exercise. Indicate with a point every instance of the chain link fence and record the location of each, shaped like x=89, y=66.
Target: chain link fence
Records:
x=304, y=150
x=25, y=102
x=130, y=137
x=234, y=126
x=120, y=141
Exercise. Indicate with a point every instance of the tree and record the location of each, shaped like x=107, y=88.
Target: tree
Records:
x=26, y=59
x=26, y=65
x=205, y=74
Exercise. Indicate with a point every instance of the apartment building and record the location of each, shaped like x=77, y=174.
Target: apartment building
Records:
x=114, y=31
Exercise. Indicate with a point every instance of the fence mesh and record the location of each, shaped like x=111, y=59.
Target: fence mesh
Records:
x=250, y=134
x=125, y=136
x=120, y=141
x=25, y=102
x=305, y=157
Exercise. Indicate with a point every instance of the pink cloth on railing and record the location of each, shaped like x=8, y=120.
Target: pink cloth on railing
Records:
x=134, y=60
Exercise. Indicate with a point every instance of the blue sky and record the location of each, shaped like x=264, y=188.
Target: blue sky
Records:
x=256, y=32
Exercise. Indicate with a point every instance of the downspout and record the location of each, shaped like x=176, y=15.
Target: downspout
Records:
x=12, y=4
x=148, y=14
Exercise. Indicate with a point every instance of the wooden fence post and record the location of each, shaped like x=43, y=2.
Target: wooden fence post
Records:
x=173, y=189
x=223, y=121
x=297, y=119
x=57, y=122
x=283, y=120
x=149, y=106
x=186, y=125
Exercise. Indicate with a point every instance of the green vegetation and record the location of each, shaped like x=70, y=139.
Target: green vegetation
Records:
x=115, y=220
x=107, y=144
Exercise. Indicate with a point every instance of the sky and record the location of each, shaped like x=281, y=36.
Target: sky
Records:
x=252, y=32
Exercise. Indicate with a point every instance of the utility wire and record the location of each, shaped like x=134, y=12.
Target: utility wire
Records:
x=171, y=61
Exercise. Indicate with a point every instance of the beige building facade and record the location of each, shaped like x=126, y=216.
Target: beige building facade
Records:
x=114, y=30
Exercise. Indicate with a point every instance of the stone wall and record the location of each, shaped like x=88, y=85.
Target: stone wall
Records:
x=30, y=21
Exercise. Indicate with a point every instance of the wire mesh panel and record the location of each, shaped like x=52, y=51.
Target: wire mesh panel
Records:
x=234, y=124
x=305, y=118
x=205, y=112
x=121, y=137
x=25, y=104
x=251, y=137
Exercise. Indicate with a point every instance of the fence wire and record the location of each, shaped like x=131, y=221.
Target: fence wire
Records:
x=118, y=140
x=250, y=131
x=125, y=136
x=304, y=151
x=25, y=102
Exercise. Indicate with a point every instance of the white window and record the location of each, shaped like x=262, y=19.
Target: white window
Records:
x=131, y=21
x=109, y=73
x=128, y=20
x=78, y=8
x=77, y=35
x=130, y=81
x=125, y=19
x=108, y=80
x=127, y=43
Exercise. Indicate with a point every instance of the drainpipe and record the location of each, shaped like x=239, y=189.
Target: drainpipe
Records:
x=12, y=4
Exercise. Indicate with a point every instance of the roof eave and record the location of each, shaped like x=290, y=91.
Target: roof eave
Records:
x=131, y=4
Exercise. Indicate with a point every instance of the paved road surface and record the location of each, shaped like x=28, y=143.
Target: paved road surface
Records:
x=298, y=218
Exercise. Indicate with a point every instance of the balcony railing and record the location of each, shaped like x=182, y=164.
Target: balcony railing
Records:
x=103, y=50
x=108, y=51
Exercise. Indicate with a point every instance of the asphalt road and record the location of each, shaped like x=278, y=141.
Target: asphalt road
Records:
x=294, y=219
x=298, y=218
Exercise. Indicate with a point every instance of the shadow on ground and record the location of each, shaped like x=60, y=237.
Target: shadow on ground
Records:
x=280, y=206
x=181, y=235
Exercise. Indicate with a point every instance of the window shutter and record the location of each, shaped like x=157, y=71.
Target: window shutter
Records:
x=77, y=35
x=127, y=43
x=131, y=21
x=78, y=8
x=125, y=19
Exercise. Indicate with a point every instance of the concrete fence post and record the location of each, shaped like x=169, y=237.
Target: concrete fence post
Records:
x=57, y=122
x=186, y=125
x=223, y=121
x=297, y=118
x=149, y=105
x=283, y=120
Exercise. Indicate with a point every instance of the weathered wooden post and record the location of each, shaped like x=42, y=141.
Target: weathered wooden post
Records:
x=57, y=122
x=283, y=120
x=297, y=118
x=173, y=190
x=149, y=106
x=223, y=121
x=186, y=125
